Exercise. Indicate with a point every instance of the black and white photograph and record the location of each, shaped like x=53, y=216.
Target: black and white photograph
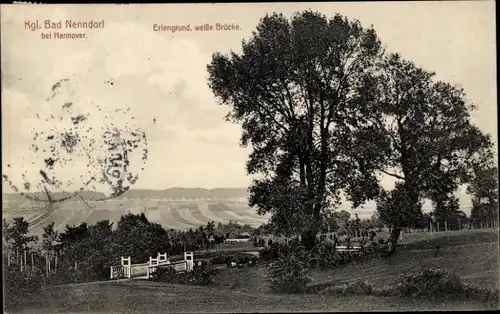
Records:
x=249, y=157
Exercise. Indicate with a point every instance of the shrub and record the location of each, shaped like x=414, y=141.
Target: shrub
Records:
x=221, y=259
x=66, y=275
x=430, y=282
x=165, y=274
x=325, y=256
x=202, y=275
x=239, y=259
x=272, y=253
x=20, y=286
x=289, y=273
x=439, y=283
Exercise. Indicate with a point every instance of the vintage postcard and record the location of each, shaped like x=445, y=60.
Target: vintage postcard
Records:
x=265, y=157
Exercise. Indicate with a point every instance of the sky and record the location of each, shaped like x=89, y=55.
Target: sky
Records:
x=160, y=77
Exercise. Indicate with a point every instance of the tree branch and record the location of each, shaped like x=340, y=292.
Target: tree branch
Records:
x=391, y=174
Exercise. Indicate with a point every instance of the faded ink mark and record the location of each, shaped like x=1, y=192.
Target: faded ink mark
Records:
x=67, y=105
x=80, y=151
x=78, y=119
x=55, y=87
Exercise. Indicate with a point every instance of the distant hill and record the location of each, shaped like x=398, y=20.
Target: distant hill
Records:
x=16, y=197
x=186, y=193
x=171, y=194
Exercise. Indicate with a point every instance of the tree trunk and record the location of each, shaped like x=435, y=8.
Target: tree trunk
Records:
x=393, y=240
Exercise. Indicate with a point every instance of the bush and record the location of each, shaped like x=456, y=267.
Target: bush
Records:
x=221, y=259
x=20, y=286
x=239, y=259
x=325, y=256
x=202, y=275
x=430, y=282
x=439, y=283
x=289, y=273
x=165, y=274
x=273, y=252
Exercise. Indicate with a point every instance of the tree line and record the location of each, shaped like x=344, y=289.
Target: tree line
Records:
x=86, y=252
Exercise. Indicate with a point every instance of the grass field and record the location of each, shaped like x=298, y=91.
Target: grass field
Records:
x=473, y=254
x=148, y=297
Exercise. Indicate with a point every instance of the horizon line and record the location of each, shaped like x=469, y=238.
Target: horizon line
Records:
x=136, y=189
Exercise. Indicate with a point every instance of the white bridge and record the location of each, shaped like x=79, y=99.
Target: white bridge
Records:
x=146, y=270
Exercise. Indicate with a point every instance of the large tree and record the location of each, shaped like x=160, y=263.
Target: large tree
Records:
x=433, y=143
x=139, y=238
x=295, y=89
x=16, y=235
x=483, y=189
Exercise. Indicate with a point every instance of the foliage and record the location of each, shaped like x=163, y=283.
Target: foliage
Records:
x=165, y=274
x=483, y=189
x=138, y=238
x=357, y=287
x=274, y=251
x=86, y=252
x=438, y=283
x=394, y=207
x=294, y=89
x=49, y=237
x=17, y=234
x=289, y=273
x=447, y=211
x=202, y=275
x=20, y=286
x=432, y=139
x=228, y=258
x=375, y=221
x=429, y=283
x=325, y=256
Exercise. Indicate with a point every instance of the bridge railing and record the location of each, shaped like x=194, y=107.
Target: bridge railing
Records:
x=129, y=270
